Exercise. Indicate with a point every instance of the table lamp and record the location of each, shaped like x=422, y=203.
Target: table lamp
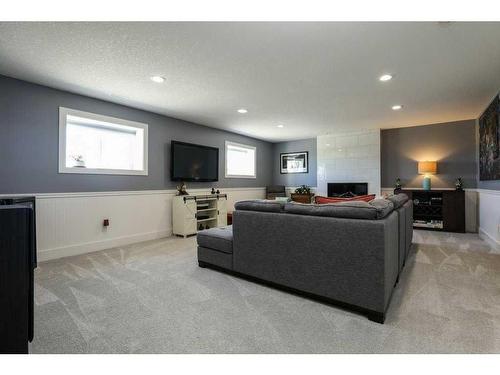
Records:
x=427, y=168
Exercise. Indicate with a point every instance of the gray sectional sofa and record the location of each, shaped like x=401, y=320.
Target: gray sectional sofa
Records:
x=349, y=254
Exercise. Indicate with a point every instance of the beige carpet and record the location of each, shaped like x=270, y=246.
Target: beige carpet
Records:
x=152, y=298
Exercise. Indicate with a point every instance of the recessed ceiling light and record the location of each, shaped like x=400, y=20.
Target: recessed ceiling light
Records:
x=397, y=107
x=385, y=78
x=339, y=150
x=242, y=110
x=157, y=79
x=281, y=126
x=328, y=145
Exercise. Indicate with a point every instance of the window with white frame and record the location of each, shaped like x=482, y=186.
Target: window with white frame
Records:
x=97, y=144
x=240, y=160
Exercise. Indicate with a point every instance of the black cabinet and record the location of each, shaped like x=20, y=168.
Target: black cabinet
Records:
x=442, y=210
x=17, y=262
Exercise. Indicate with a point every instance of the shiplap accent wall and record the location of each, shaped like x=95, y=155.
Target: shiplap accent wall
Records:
x=71, y=223
x=349, y=157
x=489, y=216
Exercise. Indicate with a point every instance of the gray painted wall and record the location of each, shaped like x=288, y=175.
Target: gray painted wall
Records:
x=452, y=145
x=29, y=144
x=300, y=178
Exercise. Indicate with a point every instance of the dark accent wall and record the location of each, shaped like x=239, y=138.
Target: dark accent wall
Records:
x=452, y=145
x=299, y=178
x=29, y=144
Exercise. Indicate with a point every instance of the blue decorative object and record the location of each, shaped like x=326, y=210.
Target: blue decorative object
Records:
x=426, y=183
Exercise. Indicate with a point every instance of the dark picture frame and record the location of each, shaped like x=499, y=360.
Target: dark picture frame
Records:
x=489, y=142
x=294, y=162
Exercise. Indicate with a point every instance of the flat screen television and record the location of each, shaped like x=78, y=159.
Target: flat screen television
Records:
x=190, y=162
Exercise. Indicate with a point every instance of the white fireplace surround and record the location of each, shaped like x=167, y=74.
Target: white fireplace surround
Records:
x=349, y=157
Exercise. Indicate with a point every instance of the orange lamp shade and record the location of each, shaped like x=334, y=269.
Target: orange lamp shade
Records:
x=427, y=167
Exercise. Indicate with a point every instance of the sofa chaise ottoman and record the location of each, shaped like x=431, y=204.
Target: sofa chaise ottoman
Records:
x=215, y=247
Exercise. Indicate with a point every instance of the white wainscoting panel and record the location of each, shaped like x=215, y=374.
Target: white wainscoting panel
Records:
x=489, y=216
x=71, y=223
x=236, y=194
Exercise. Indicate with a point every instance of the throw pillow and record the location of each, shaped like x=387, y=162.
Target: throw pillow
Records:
x=364, y=198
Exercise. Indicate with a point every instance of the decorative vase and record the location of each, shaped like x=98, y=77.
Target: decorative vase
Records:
x=426, y=184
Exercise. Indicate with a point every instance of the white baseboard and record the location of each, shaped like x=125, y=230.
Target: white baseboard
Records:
x=89, y=247
x=494, y=243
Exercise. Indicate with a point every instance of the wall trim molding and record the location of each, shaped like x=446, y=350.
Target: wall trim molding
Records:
x=495, y=244
x=90, y=247
x=489, y=192
x=478, y=190
x=130, y=192
x=420, y=188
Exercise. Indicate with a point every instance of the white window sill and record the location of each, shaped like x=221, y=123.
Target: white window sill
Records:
x=80, y=170
x=234, y=176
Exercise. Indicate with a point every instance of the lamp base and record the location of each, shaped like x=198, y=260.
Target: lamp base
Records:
x=426, y=184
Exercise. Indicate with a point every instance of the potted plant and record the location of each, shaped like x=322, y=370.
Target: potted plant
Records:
x=302, y=194
x=398, y=186
x=79, y=161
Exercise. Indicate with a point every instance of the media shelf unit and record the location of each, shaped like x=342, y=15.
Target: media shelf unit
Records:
x=192, y=213
x=440, y=210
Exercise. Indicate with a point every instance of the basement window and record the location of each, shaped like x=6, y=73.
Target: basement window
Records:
x=96, y=144
x=240, y=160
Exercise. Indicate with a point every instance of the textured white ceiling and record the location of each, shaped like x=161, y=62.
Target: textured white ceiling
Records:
x=313, y=78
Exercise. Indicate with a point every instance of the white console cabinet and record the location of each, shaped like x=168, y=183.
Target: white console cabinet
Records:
x=192, y=213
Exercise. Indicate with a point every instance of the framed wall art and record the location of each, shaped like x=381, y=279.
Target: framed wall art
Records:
x=294, y=162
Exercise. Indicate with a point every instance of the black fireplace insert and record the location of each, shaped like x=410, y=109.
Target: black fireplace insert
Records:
x=347, y=189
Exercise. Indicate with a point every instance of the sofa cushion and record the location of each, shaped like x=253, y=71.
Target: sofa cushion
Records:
x=398, y=200
x=220, y=239
x=376, y=209
x=364, y=198
x=383, y=206
x=262, y=205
